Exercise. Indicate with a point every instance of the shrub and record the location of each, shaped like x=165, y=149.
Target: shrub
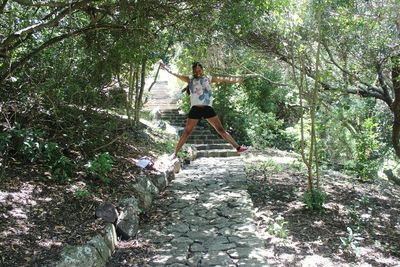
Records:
x=51, y=152
x=62, y=168
x=82, y=193
x=27, y=142
x=100, y=166
x=266, y=131
x=367, y=162
x=350, y=243
x=278, y=227
x=264, y=169
x=315, y=199
x=5, y=143
x=184, y=103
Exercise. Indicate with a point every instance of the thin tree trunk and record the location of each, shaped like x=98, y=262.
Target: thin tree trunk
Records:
x=136, y=94
x=131, y=84
x=395, y=107
x=315, y=103
x=139, y=96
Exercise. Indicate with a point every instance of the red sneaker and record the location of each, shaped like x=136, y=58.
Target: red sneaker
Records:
x=242, y=149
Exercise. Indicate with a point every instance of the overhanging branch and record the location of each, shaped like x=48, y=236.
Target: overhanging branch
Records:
x=3, y=5
x=387, y=89
x=41, y=4
x=371, y=89
x=34, y=28
x=364, y=89
x=55, y=40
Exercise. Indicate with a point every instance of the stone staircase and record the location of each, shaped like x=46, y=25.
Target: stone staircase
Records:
x=162, y=97
x=204, y=140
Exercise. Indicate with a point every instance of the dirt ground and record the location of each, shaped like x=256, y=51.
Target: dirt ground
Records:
x=39, y=216
x=359, y=225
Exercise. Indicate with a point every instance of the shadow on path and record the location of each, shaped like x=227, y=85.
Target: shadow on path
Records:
x=205, y=218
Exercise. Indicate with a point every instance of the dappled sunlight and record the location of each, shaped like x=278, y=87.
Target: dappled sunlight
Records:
x=48, y=243
x=316, y=260
x=37, y=223
x=260, y=158
x=369, y=209
x=278, y=156
x=17, y=206
x=191, y=197
x=205, y=217
x=87, y=88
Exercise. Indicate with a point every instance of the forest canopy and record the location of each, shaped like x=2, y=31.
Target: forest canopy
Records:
x=327, y=69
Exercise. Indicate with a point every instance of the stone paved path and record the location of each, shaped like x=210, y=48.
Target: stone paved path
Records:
x=210, y=218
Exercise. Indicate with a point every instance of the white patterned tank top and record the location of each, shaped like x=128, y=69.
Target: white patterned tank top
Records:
x=200, y=91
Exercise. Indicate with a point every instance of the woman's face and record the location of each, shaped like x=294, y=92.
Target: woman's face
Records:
x=197, y=71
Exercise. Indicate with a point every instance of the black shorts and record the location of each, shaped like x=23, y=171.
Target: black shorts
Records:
x=198, y=112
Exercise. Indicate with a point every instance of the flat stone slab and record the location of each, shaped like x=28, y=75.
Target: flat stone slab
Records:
x=210, y=218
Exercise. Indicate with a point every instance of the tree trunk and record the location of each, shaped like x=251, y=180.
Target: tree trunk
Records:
x=140, y=90
x=131, y=85
x=395, y=107
x=136, y=95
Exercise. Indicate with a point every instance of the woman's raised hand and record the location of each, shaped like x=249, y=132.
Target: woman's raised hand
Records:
x=162, y=65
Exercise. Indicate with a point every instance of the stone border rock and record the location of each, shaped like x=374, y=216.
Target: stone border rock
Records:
x=97, y=251
x=94, y=253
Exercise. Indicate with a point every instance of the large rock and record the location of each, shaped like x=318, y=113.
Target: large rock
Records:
x=192, y=152
x=101, y=246
x=92, y=254
x=128, y=220
x=110, y=236
x=108, y=212
x=160, y=180
x=80, y=256
x=170, y=173
x=146, y=183
x=176, y=166
x=146, y=190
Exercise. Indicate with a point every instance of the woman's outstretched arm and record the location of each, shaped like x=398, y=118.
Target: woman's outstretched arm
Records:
x=179, y=76
x=227, y=79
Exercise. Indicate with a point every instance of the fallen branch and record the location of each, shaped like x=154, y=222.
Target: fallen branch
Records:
x=110, y=143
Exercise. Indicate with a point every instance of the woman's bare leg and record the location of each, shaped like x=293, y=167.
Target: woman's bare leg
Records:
x=190, y=124
x=216, y=123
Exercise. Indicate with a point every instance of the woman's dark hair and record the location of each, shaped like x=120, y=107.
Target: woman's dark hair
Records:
x=196, y=64
x=186, y=89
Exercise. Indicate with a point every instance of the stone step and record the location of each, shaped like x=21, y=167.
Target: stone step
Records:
x=168, y=112
x=172, y=113
x=175, y=122
x=217, y=153
x=151, y=106
x=202, y=131
x=198, y=129
x=174, y=118
x=204, y=136
x=206, y=141
x=212, y=146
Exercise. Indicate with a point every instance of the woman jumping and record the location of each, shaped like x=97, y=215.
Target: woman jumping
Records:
x=201, y=100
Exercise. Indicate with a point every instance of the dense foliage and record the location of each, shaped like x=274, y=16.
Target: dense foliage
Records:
x=332, y=83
